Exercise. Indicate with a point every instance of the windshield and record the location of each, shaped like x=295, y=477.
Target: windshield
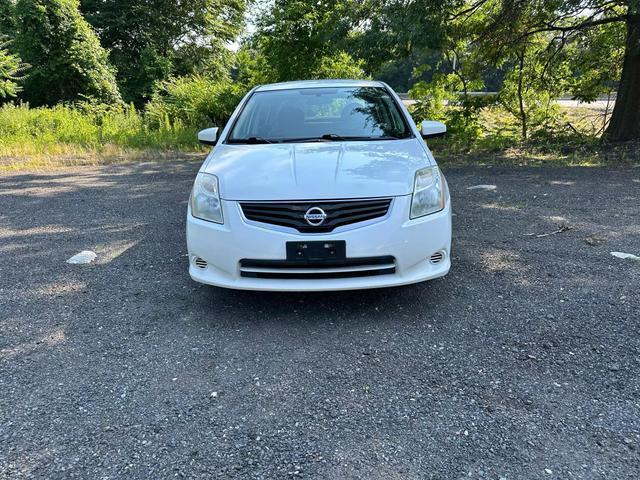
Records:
x=319, y=114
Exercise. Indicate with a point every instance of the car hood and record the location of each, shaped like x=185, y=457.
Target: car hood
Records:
x=305, y=171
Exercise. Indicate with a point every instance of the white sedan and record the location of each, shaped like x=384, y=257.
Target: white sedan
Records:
x=319, y=185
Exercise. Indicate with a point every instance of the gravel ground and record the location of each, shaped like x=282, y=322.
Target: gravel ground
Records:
x=522, y=363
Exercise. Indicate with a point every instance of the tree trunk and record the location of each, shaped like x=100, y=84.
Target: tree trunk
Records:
x=625, y=119
x=523, y=113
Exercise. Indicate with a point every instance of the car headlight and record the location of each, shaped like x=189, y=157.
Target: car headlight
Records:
x=428, y=192
x=205, y=198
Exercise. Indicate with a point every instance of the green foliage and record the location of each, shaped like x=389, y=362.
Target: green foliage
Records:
x=67, y=61
x=430, y=98
x=296, y=36
x=397, y=73
x=596, y=61
x=537, y=71
x=384, y=36
x=339, y=65
x=462, y=113
x=137, y=79
x=464, y=118
x=595, y=30
x=194, y=100
x=7, y=18
x=531, y=87
x=84, y=127
x=252, y=68
x=150, y=41
x=442, y=100
x=11, y=68
x=393, y=31
x=173, y=62
x=202, y=101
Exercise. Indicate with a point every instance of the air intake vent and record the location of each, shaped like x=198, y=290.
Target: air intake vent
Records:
x=437, y=257
x=200, y=263
x=295, y=269
x=334, y=213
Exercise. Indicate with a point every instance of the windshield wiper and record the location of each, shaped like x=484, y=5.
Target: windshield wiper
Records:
x=333, y=137
x=250, y=140
x=386, y=137
x=328, y=137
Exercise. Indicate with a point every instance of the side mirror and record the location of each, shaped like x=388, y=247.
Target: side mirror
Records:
x=208, y=136
x=431, y=129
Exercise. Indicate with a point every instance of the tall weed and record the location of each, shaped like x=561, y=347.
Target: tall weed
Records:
x=64, y=129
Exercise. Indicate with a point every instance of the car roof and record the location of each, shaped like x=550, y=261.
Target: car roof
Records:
x=317, y=84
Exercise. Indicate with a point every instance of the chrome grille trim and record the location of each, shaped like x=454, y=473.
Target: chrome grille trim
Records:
x=293, y=269
x=339, y=213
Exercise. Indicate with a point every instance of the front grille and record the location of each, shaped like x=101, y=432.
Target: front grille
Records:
x=296, y=269
x=338, y=213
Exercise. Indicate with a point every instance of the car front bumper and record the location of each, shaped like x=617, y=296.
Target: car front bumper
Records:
x=410, y=242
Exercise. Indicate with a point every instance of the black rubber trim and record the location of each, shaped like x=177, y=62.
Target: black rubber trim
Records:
x=331, y=263
x=320, y=275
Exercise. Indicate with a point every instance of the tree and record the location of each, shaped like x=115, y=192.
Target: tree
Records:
x=67, y=61
x=151, y=40
x=458, y=70
x=512, y=22
x=625, y=119
x=7, y=20
x=528, y=92
x=401, y=73
x=295, y=35
x=596, y=62
x=251, y=68
x=398, y=29
x=340, y=65
x=11, y=68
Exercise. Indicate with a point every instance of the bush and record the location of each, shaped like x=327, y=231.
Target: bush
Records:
x=438, y=100
x=179, y=108
x=195, y=101
x=67, y=61
x=430, y=98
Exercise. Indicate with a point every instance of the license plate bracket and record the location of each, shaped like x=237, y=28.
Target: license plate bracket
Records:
x=317, y=251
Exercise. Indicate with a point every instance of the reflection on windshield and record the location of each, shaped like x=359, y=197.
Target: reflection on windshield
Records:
x=320, y=114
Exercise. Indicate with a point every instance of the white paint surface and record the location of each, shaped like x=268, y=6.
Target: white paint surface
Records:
x=628, y=256
x=84, y=257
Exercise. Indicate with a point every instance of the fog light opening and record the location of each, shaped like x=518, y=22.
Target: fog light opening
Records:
x=438, y=257
x=200, y=262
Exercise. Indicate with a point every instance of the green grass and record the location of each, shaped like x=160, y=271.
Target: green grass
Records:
x=573, y=140
x=66, y=130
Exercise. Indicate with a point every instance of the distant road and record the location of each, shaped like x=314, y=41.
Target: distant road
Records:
x=599, y=104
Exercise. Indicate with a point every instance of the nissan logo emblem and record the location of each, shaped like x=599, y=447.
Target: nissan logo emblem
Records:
x=315, y=216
